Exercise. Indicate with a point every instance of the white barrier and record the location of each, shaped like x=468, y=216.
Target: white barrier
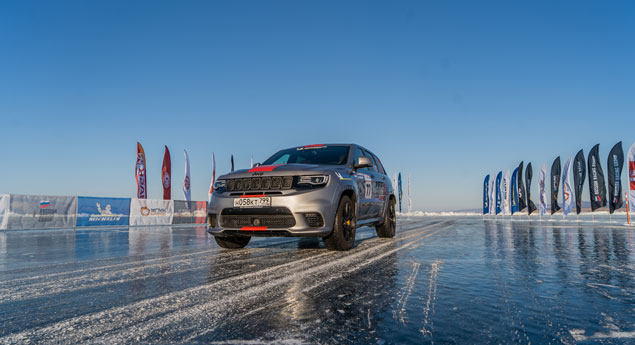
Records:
x=40, y=212
x=4, y=210
x=151, y=212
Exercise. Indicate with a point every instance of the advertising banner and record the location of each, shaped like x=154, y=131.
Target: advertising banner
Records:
x=614, y=167
x=513, y=192
x=41, y=212
x=166, y=175
x=555, y=185
x=486, y=195
x=189, y=212
x=506, y=194
x=542, y=175
x=597, y=186
x=151, y=212
x=102, y=211
x=522, y=202
x=529, y=174
x=140, y=173
x=499, y=198
x=4, y=210
x=567, y=192
x=579, y=175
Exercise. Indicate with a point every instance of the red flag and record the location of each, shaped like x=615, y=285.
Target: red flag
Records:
x=140, y=173
x=166, y=175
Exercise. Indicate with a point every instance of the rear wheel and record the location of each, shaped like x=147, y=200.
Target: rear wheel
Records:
x=387, y=229
x=232, y=242
x=343, y=235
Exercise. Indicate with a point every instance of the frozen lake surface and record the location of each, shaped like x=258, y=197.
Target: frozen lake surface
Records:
x=441, y=280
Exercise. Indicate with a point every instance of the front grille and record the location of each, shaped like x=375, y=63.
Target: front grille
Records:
x=314, y=220
x=273, y=217
x=260, y=183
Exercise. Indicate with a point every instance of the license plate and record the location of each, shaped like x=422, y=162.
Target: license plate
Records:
x=261, y=201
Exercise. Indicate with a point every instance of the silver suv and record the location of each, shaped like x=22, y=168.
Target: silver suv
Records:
x=323, y=191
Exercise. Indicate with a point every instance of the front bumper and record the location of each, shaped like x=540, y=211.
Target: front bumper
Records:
x=298, y=203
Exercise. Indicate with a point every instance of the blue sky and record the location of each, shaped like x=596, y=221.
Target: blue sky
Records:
x=447, y=91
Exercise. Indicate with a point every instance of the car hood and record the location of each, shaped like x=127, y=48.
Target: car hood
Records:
x=284, y=170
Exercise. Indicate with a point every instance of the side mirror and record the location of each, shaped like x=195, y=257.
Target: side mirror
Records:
x=363, y=162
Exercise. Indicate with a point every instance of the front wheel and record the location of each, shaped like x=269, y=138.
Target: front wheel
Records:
x=232, y=242
x=343, y=235
x=387, y=229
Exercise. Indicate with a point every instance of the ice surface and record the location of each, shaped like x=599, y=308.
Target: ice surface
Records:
x=443, y=279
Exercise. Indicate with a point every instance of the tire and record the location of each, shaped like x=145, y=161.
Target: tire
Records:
x=387, y=229
x=232, y=242
x=343, y=235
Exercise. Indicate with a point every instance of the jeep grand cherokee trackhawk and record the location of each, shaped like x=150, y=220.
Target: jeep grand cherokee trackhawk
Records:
x=323, y=191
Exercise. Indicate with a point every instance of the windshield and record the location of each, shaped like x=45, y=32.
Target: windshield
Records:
x=327, y=155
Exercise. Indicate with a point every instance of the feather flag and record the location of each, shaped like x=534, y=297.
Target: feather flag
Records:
x=400, y=190
x=579, y=174
x=187, y=191
x=140, y=173
x=506, y=194
x=567, y=191
x=614, y=170
x=486, y=194
x=232, y=159
x=499, y=196
x=166, y=175
x=597, y=187
x=522, y=202
x=542, y=193
x=531, y=207
x=513, y=192
x=491, y=196
x=211, y=186
x=630, y=161
x=555, y=185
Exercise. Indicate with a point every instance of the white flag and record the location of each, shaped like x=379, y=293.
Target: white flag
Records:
x=506, y=194
x=409, y=198
x=492, y=196
x=187, y=192
x=211, y=186
x=568, y=196
x=252, y=162
x=541, y=189
x=630, y=161
x=394, y=183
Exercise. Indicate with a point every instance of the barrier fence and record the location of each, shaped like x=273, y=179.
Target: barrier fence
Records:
x=20, y=212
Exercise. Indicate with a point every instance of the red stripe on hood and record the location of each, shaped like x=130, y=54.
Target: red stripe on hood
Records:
x=264, y=168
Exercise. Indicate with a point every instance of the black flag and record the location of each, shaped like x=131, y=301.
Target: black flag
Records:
x=232, y=162
x=597, y=188
x=521, y=189
x=531, y=207
x=579, y=174
x=614, y=170
x=555, y=184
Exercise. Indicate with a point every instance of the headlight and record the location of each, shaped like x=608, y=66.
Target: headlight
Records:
x=220, y=184
x=318, y=180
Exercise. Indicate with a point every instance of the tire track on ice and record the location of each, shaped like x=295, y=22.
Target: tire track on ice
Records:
x=145, y=316
x=428, y=310
x=400, y=312
x=323, y=280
